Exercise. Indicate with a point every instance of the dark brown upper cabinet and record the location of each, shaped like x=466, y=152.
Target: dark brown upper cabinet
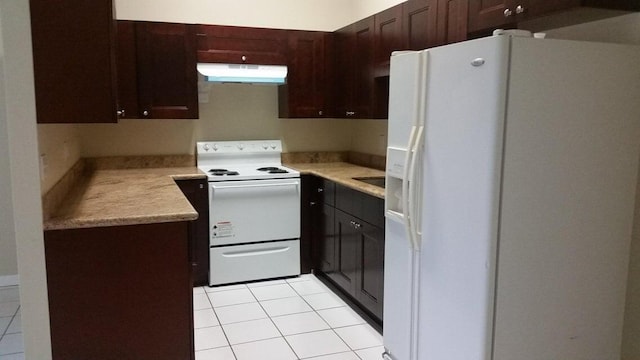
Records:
x=353, y=69
x=74, y=60
x=490, y=14
x=127, y=70
x=240, y=45
x=452, y=21
x=166, y=68
x=303, y=96
x=419, y=22
x=388, y=37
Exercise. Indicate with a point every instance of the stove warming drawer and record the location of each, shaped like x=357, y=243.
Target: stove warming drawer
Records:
x=230, y=264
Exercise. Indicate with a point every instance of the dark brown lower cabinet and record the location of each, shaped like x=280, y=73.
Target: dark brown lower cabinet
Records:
x=121, y=292
x=197, y=192
x=347, y=237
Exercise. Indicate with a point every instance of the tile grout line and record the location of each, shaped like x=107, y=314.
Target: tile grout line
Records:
x=219, y=324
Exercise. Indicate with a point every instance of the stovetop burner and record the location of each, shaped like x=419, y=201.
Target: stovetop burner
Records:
x=218, y=170
x=222, y=172
x=273, y=170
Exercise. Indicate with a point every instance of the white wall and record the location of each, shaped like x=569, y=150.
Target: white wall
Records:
x=20, y=118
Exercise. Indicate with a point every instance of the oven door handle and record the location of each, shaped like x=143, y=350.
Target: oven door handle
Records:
x=273, y=250
x=254, y=185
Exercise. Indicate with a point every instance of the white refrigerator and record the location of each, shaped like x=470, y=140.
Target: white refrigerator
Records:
x=511, y=178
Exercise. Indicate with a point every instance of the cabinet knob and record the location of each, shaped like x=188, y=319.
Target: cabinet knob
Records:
x=320, y=112
x=320, y=190
x=120, y=113
x=508, y=12
x=244, y=58
x=312, y=203
x=145, y=113
x=519, y=9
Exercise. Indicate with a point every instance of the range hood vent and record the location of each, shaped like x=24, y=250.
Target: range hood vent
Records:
x=243, y=73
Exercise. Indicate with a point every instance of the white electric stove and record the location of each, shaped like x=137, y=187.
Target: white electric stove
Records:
x=254, y=211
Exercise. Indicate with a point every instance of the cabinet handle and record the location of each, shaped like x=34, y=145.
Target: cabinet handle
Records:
x=201, y=186
x=145, y=113
x=320, y=112
x=120, y=113
x=351, y=113
x=320, y=190
x=312, y=203
x=519, y=9
x=507, y=12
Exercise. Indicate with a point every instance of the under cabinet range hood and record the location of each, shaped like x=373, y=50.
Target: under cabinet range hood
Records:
x=243, y=73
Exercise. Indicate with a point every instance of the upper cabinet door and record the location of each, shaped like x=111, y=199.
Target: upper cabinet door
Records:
x=167, y=75
x=388, y=37
x=486, y=14
x=452, y=21
x=303, y=96
x=240, y=45
x=127, y=70
x=420, y=18
x=363, y=62
x=74, y=60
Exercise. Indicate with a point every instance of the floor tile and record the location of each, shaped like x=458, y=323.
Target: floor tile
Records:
x=19, y=356
x=9, y=294
x=223, y=353
x=316, y=343
x=238, y=313
x=303, y=277
x=10, y=308
x=4, y=324
x=271, y=349
x=211, y=289
x=11, y=344
x=360, y=336
x=209, y=338
x=273, y=292
x=201, y=301
x=250, y=331
x=266, y=283
x=198, y=290
x=323, y=301
x=300, y=323
x=204, y=318
x=308, y=287
x=16, y=325
x=286, y=306
x=350, y=355
x=341, y=316
x=374, y=353
x=231, y=297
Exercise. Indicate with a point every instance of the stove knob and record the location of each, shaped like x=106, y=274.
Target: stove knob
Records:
x=265, y=146
x=206, y=147
x=241, y=146
x=273, y=146
x=215, y=147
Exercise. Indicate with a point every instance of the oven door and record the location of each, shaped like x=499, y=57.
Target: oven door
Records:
x=254, y=210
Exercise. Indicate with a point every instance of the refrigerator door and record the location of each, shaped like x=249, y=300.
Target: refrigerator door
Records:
x=465, y=112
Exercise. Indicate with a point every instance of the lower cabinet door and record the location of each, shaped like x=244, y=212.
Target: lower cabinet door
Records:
x=370, y=282
x=346, y=250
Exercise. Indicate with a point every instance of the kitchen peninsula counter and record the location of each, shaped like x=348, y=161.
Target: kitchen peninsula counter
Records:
x=343, y=173
x=117, y=197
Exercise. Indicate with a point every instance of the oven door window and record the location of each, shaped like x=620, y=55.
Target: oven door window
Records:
x=252, y=211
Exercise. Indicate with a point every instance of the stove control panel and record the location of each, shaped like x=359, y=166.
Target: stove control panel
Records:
x=231, y=147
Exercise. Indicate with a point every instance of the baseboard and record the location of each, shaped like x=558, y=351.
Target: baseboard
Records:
x=10, y=280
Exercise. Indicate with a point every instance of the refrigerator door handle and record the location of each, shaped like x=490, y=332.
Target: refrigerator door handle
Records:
x=406, y=185
x=413, y=184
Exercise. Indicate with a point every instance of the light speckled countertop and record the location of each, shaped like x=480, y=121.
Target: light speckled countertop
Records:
x=126, y=197
x=343, y=173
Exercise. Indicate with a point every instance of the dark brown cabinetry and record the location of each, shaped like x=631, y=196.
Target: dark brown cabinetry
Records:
x=303, y=96
x=197, y=193
x=346, y=231
x=420, y=24
x=489, y=14
x=74, y=61
x=452, y=21
x=167, y=76
x=353, y=68
x=388, y=37
x=241, y=45
x=105, y=284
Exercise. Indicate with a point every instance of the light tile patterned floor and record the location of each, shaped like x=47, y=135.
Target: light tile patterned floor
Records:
x=298, y=318
x=291, y=319
x=11, y=346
